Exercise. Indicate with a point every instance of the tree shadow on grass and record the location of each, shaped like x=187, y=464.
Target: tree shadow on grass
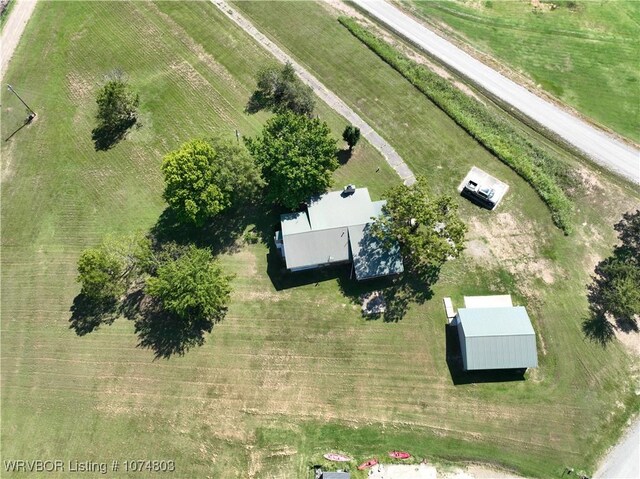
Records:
x=282, y=279
x=459, y=376
x=157, y=330
x=344, y=156
x=106, y=137
x=221, y=234
x=598, y=328
x=87, y=314
x=399, y=293
x=600, y=324
x=168, y=335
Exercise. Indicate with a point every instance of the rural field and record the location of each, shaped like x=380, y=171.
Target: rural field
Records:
x=584, y=53
x=293, y=371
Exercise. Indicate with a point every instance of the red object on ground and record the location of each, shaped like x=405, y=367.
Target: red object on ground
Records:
x=368, y=464
x=331, y=456
x=399, y=455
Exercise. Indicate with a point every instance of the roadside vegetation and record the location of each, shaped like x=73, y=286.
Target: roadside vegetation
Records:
x=548, y=176
x=293, y=371
x=5, y=9
x=584, y=53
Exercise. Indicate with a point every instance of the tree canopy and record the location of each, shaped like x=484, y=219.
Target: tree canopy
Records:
x=106, y=271
x=117, y=111
x=117, y=103
x=173, y=293
x=615, y=290
x=351, y=135
x=297, y=155
x=427, y=228
x=205, y=177
x=192, y=287
x=99, y=274
x=280, y=90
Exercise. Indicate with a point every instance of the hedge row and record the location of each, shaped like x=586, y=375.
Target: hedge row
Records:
x=544, y=173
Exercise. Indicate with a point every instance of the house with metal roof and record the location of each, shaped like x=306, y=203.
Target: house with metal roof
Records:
x=494, y=334
x=334, y=229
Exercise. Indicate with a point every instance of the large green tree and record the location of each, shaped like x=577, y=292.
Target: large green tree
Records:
x=192, y=287
x=427, y=227
x=117, y=103
x=205, y=177
x=297, y=155
x=280, y=90
x=615, y=290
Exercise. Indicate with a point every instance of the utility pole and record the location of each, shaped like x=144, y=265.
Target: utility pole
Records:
x=33, y=113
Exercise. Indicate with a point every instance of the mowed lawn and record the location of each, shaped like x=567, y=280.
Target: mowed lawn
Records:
x=584, y=53
x=293, y=371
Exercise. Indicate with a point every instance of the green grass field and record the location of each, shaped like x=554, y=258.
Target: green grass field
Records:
x=584, y=53
x=293, y=371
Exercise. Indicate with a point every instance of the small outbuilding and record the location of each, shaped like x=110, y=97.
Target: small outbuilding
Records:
x=496, y=338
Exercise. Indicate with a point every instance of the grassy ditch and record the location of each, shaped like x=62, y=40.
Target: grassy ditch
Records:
x=547, y=175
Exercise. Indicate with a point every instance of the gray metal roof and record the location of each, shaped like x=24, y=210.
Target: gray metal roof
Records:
x=316, y=248
x=293, y=223
x=370, y=258
x=496, y=338
x=321, y=235
x=335, y=475
x=334, y=209
x=495, y=321
x=377, y=207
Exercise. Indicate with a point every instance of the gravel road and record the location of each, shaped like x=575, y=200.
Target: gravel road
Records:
x=12, y=31
x=602, y=148
x=623, y=461
x=330, y=98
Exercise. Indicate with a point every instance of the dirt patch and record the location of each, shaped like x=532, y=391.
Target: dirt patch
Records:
x=589, y=179
x=541, y=268
x=339, y=7
x=541, y=6
x=429, y=471
x=510, y=243
x=190, y=74
x=630, y=340
x=479, y=250
x=485, y=472
x=78, y=86
x=6, y=170
x=269, y=296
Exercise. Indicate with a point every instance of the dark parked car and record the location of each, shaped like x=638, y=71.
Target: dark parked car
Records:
x=479, y=195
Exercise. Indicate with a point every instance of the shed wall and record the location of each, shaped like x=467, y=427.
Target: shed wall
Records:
x=500, y=352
